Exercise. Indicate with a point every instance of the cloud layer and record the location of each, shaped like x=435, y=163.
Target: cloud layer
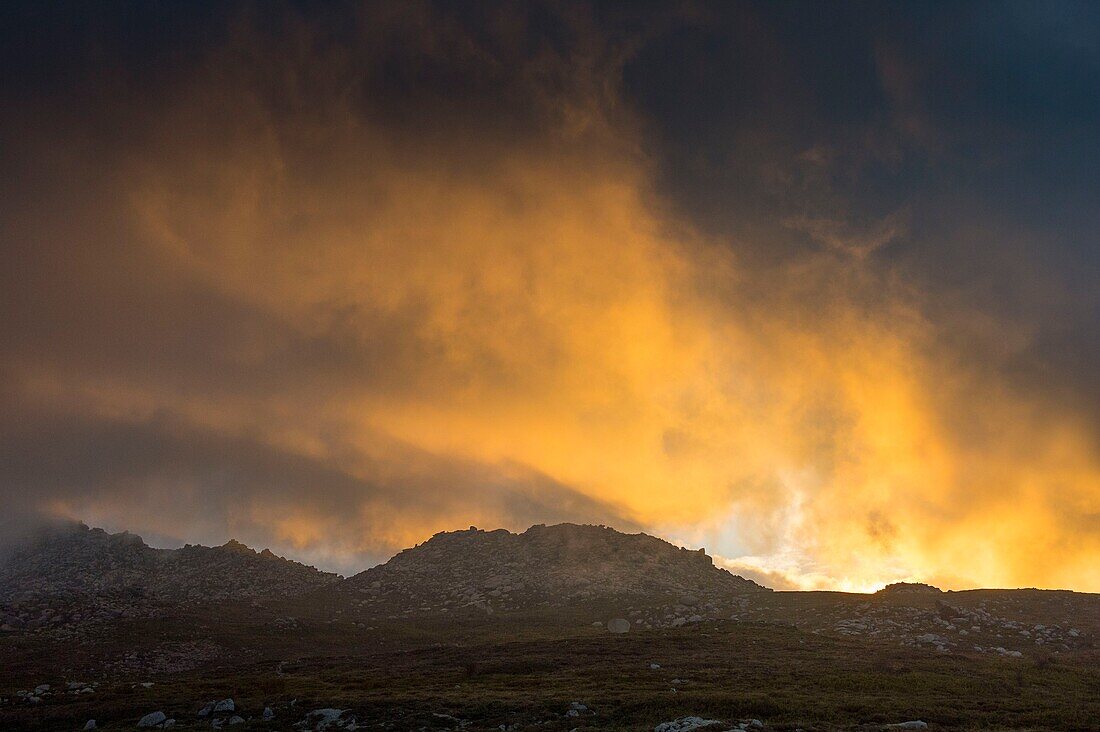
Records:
x=334, y=280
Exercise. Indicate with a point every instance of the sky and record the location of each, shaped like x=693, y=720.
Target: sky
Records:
x=812, y=285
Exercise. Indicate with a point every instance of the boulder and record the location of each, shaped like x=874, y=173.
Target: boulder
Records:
x=618, y=625
x=321, y=719
x=152, y=719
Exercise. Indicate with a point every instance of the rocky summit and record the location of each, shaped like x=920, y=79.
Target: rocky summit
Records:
x=545, y=566
x=72, y=573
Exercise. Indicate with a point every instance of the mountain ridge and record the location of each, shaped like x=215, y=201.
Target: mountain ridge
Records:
x=74, y=561
x=73, y=572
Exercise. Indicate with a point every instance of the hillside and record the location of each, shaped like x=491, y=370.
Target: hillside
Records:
x=546, y=567
x=74, y=573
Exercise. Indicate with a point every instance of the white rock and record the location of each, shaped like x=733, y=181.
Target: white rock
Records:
x=90, y=724
x=686, y=724
x=236, y=719
x=321, y=719
x=225, y=705
x=915, y=724
x=269, y=714
x=618, y=625
x=576, y=709
x=152, y=719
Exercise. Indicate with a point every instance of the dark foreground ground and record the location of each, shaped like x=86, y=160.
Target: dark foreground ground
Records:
x=527, y=671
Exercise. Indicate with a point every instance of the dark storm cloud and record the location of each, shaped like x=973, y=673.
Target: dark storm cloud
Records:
x=976, y=121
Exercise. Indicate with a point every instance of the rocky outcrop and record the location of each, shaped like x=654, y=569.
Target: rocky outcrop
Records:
x=543, y=566
x=909, y=588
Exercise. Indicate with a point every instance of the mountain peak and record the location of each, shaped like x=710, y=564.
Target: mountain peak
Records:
x=235, y=546
x=544, y=565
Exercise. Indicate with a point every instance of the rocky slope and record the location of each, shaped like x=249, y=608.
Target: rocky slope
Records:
x=566, y=564
x=73, y=573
